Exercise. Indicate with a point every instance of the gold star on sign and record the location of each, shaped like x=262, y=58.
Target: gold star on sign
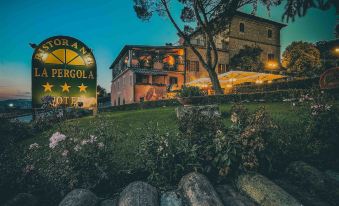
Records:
x=65, y=87
x=47, y=87
x=82, y=87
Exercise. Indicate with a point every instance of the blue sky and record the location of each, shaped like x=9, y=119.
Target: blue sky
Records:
x=106, y=26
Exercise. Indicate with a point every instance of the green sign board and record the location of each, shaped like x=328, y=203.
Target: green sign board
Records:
x=65, y=69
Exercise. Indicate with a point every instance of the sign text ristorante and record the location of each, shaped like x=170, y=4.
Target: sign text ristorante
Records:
x=64, y=68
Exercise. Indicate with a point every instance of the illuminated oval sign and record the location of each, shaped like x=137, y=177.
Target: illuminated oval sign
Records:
x=64, y=68
x=330, y=79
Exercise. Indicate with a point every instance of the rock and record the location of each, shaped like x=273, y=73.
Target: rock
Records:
x=22, y=199
x=198, y=191
x=310, y=178
x=79, y=197
x=170, y=198
x=230, y=197
x=139, y=194
x=264, y=192
x=109, y=202
x=305, y=197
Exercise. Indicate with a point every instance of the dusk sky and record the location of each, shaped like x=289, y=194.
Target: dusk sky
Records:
x=106, y=26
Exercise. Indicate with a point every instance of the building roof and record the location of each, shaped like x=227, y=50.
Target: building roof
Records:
x=149, y=71
x=145, y=47
x=250, y=16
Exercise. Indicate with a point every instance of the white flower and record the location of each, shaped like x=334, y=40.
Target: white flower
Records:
x=33, y=146
x=77, y=148
x=65, y=153
x=55, y=139
x=100, y=145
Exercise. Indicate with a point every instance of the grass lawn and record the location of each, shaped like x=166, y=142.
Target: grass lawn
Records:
x=126, y=128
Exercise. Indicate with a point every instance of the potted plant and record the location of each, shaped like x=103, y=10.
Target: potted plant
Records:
x=187, y=93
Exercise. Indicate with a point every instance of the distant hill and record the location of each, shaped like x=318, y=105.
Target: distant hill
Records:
x=16, y=103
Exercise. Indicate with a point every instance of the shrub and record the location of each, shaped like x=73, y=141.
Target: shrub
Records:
x=167, y=156
x=188, y=91
x=241, y=147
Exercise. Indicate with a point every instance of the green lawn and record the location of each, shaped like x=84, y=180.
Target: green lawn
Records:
x=124, y=129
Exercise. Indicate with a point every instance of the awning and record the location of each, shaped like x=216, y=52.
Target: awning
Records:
x=233, y=78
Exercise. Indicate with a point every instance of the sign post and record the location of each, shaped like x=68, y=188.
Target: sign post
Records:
x=65, y=69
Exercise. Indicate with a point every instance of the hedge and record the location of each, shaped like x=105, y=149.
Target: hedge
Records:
x=272, y=96
x=284, y=85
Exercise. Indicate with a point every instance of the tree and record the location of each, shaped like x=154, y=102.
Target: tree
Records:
x=211, y=16
x=302, y=59
x=101, y=91
x=328, y=55
x=299, y=8
x=248, y=59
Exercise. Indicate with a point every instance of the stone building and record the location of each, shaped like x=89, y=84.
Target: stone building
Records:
x=245, y=29
x=146, y=73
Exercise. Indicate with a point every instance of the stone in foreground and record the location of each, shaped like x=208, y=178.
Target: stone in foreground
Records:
x=139, y=194
x=79, y=197
x=171, y=198
x=264, y=192
x=198, y=191
x=306, y=176
x=230, y=197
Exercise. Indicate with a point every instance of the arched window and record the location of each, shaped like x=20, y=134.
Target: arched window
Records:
x=242, y=27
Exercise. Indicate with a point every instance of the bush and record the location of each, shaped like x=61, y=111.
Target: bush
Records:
x=313, y=137
x=241, y=147
x=168, y=156
x=188, y=91
x=11, y=133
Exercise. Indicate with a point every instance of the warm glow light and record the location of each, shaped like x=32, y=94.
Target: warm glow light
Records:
x=170, y=60
x=270, y=81
x=180, y=52
x=336, y=50
x=258, y=81
x=272, y=65
x=233, y=79
x=229, y=86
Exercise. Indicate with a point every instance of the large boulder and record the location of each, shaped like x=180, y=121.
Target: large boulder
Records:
x=139, y=194
x=171, y=198
x=79, y=197
x=198, y=191
x=264, y=192
x=23, y=199
x=230, y=197
x=306, y=176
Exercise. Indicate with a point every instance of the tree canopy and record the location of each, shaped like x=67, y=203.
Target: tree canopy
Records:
x=302, y=59
x=247, y=59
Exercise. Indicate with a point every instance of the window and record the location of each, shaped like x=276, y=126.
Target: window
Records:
x=193, y=66
x=118, y=84
x=173, y=80
x=143, y=79
x=242, y=27
x=130, y=80
x=222, y=68
x=123, y=101
x=119, y=101
x=269, y=33
x=270, y=57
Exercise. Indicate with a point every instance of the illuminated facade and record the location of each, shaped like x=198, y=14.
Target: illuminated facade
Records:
x=146, y=73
